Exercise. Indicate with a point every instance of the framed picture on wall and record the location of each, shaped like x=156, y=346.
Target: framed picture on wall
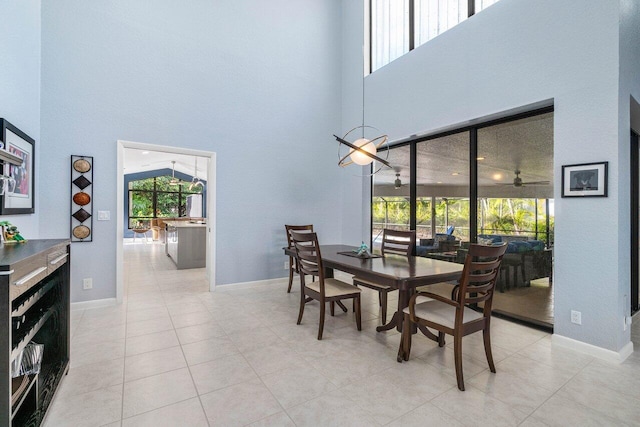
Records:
x=585, y=180
x=18, y=183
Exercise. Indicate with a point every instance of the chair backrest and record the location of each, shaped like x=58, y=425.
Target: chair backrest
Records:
x=398, y=242
x=308, y=256
x=480, y=273
x=290, y=228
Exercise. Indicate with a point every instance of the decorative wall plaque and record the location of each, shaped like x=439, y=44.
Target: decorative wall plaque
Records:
x=81, y=199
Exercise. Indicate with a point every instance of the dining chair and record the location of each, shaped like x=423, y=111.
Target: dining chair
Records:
x=393, y=242
x=453, y=316
x=324, y=289
x=293, y=264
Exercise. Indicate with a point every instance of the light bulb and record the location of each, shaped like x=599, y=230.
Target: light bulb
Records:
x=360, y=158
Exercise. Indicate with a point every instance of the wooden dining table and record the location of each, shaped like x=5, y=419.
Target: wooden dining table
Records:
x=399, y=272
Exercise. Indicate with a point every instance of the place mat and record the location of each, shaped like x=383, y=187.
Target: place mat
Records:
x=355, y=255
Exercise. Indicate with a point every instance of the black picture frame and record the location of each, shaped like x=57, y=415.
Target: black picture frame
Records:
x=21, y=200
x=585, y=180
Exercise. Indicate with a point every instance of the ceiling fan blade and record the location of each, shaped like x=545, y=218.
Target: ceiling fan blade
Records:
x=536, y=183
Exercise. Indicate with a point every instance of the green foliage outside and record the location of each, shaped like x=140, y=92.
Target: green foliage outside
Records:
x=495, y=216
x=156, y=198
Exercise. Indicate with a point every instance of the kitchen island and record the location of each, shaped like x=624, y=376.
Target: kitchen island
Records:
x=186, y=243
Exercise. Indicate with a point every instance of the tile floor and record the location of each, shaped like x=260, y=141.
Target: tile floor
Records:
x=176, y=355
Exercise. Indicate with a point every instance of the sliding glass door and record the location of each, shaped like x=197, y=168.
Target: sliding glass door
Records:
x=515, y=206
x=487, y=183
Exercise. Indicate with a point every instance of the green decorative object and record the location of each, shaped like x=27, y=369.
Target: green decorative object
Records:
x=10, y=233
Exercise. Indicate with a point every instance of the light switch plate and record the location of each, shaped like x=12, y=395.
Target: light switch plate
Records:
x=104, y=215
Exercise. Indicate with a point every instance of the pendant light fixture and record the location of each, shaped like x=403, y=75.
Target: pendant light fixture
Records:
x=195, y=181
x=174, y=180
x=364, y=150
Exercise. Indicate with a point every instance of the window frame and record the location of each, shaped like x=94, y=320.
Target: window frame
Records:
x=471, y=10
x=182, y=195
x=473, y=167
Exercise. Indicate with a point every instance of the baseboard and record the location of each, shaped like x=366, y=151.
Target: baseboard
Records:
x=96, y=303
x=253, y=284
x=592, y=350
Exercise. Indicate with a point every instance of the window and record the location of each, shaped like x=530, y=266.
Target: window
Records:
x=398, y=26
x=489, y=182
x=434, y=17
x=389, y=30
x=155, y=198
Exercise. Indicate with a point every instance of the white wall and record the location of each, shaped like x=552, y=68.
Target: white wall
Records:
x=356, y=190
x=516, y=53
x=20, y=87
x=256, y=82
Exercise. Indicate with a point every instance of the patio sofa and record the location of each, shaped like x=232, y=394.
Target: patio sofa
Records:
x=525, y=260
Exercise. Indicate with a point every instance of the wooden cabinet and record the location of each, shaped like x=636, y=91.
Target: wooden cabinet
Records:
x=34, y=300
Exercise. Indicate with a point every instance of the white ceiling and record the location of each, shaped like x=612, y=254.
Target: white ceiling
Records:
x=142, y=161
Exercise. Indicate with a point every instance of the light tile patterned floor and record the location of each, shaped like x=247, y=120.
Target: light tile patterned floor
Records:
x=176, y=355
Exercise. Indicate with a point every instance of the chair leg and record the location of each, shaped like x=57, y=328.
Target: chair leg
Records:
x=332, y=307
x=487, y=348
x=383, y=304
x=290, y=278
x=356, y=301
x=441, y=342
x=457, y=351
x=321, y=325
x=303, y=301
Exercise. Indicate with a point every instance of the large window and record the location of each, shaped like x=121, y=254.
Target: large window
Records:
x=156, y=198
x=398, y=26
x=490, y=183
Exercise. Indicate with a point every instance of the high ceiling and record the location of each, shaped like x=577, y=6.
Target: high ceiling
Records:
x=143, y=160
x=525, y=145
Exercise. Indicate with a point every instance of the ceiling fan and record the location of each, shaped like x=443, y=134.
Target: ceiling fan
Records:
x=397, y=184
x=174, y=180
x=517, y=181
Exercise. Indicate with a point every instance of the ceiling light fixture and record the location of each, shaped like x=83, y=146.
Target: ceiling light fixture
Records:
x=455, y=173
x=364, y=150
x=479, y=158
x=174, y=180
x=195, y=181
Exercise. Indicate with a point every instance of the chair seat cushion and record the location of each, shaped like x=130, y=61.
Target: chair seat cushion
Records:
x=369, y=284
x=442, y=313
x=334, y=288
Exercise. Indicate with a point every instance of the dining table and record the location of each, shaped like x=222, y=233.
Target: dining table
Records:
x=397, y=271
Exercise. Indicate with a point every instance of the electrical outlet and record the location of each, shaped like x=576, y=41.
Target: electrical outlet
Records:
x=576, y=317
x=87, y=283
x=627, y=322
x=286, y=265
